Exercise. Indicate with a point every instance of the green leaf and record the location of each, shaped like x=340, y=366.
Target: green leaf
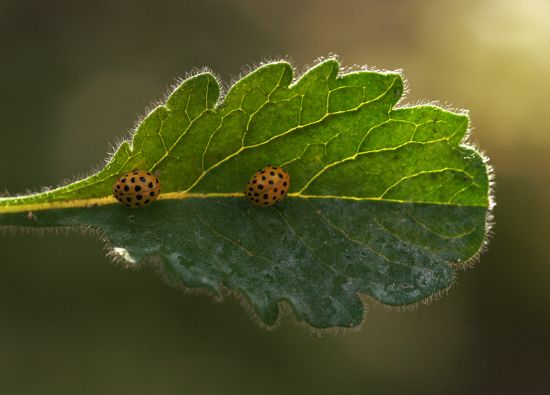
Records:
x=383, y=201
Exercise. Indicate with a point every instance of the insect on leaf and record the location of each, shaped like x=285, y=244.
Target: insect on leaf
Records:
x=384, y=201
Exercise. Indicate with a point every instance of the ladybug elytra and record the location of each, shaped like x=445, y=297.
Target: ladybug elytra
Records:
x=268, y=186
x=137, y=188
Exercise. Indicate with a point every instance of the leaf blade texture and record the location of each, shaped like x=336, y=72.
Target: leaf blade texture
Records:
x=384, y=201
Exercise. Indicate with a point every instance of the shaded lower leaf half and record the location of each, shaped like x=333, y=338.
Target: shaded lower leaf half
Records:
x=316, y=254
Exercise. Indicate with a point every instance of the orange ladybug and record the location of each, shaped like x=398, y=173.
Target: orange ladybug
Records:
x=137, y=188
x=268, y=186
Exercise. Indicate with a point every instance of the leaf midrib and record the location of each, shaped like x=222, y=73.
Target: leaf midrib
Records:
x=108, y=200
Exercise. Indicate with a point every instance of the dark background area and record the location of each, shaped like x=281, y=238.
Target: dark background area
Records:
x=75, y=76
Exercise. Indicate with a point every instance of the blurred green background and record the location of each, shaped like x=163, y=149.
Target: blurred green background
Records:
x=75, y=76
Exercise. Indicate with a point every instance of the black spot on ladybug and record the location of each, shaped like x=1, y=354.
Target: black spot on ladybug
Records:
x=148, y=173
x=142, y=179
x=274, y=168
x=256, y=200
x=265, y=195
x=157, y=180
x=282, y=192
x=128, y=199
x=274, y=197
x=250, y=189
x=249, y=194
x=139, y=197
x=146, y=201
x=262, y=172
x=152, y=193
x=126, y=188
x=133, y=180
x=123, y=180
x=254, y=181
x=137, y=188
x=150, y=185
x=280, y=175
x=284, y=184
x=118, y=186
x=256, y=194
x=272, y=173
x=270, y=182
x=263, y=178
x=260, y=186
x=275, y=190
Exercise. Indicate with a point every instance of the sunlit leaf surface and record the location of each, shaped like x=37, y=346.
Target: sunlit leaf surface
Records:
x=383, y=201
